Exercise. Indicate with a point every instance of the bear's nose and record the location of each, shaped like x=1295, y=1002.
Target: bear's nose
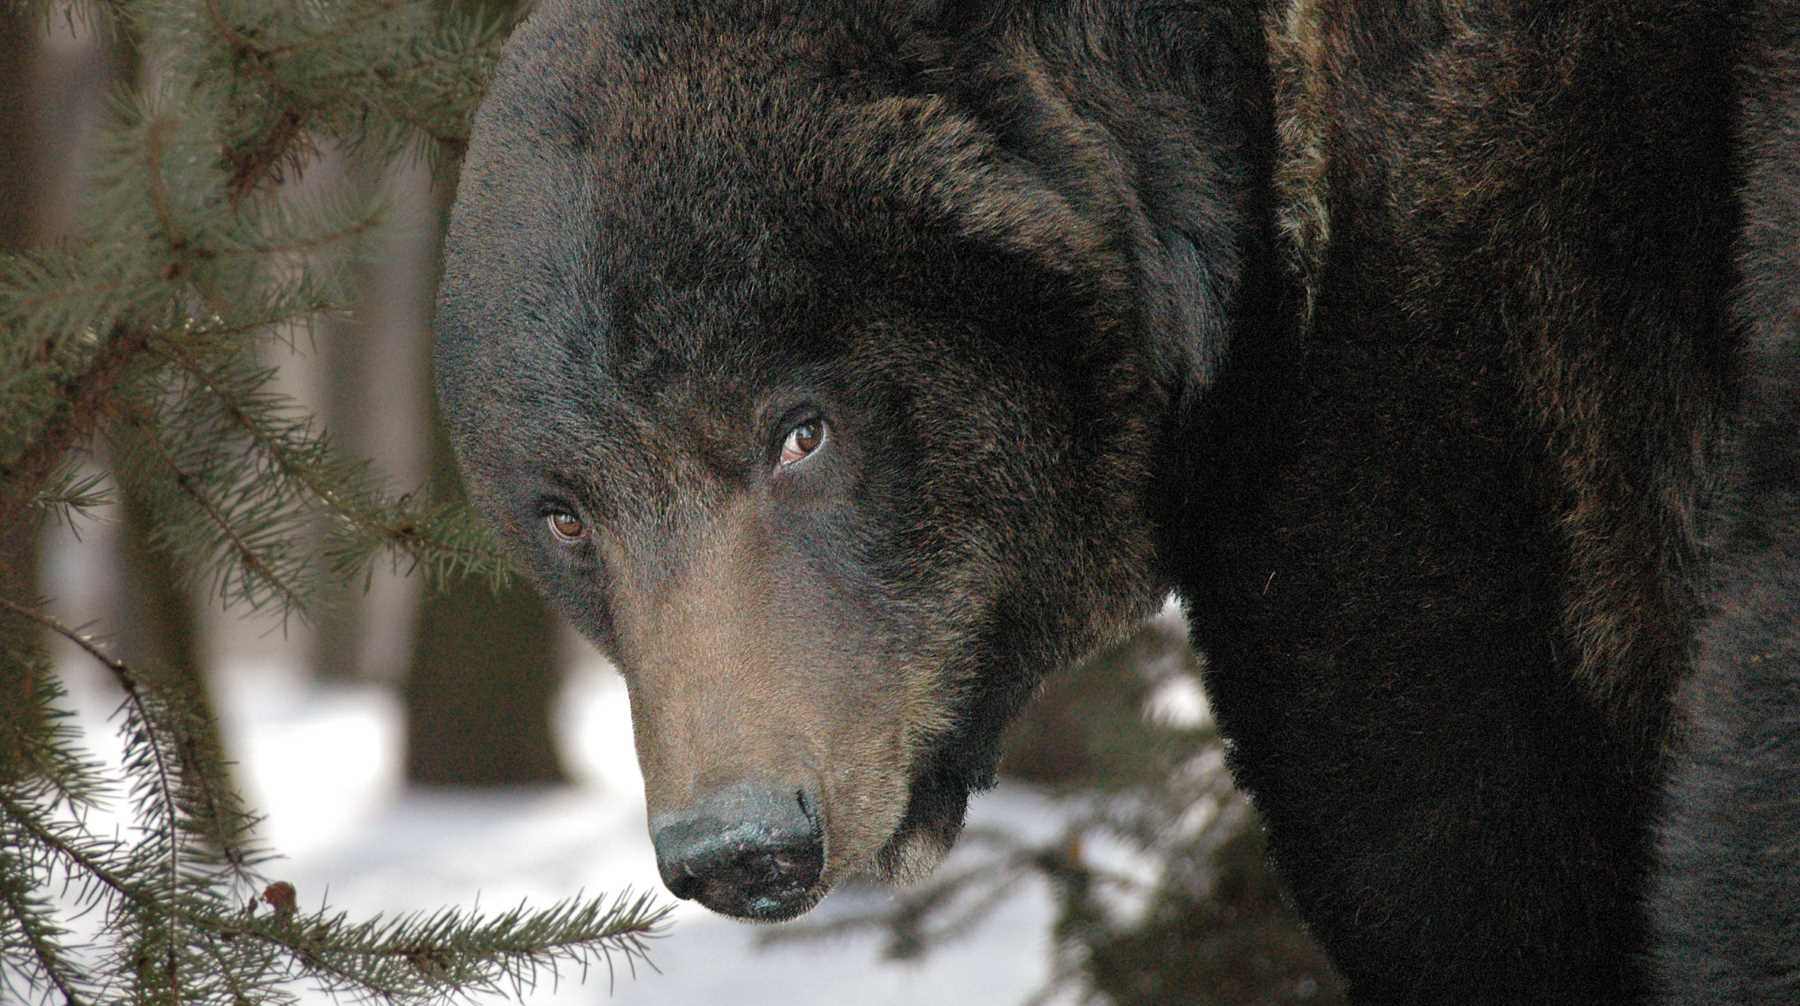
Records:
x=748, y=850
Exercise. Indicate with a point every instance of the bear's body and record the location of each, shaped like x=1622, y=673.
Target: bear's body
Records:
x=1726, y=901
x=1447, y=605
x=844, y=367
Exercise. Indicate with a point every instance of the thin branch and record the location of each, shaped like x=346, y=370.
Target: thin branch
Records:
x=223, y=969
x=188, y=483
x=62, y=294
x=82, y=861
x=165, y=779
x=120, y=671
x=261, y=160
x=269, y=442
x=310, y=958
x=309, y=245
x=89, y=397
x=43, y=947
x=316, y=942
x=398, y=529
x=159, y=187
x=179, y=244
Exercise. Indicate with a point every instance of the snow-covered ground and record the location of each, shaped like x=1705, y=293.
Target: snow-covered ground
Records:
x=323, y=765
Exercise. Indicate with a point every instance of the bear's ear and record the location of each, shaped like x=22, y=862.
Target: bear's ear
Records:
x=951, y=169
x=1161, y=158
x=1141, y=211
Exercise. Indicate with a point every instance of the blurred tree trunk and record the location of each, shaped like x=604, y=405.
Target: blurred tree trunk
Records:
x=484, y=670
x=155, y=618
x=484, y=676
x=341, y=616
x=19, y=146
x=371, y=410
x=18, y=135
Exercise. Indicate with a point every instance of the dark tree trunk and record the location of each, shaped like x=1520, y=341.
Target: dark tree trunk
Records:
x=365, y=412
x=19, y=142
x=484, y=674
x=156, y=621
x=484, y=668
x=18, y=170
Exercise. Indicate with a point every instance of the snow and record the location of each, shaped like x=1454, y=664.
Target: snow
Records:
x=323, y=764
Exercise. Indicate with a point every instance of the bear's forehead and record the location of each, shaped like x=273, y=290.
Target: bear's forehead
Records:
x=648, y=217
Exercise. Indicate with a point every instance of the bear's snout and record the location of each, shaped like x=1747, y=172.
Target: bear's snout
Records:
x=748, y=850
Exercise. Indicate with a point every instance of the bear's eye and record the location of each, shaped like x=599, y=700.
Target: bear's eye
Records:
x=801, y=441
x=565, y=527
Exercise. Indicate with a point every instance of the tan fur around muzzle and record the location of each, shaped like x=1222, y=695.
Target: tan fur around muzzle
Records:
x=735, y=677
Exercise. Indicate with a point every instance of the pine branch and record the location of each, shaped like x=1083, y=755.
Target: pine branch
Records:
x=40, y=934
x=240, y=977
x=184, y=775
x=40, y=754
x=73, y=850
x=149, y=730
x=434, y=538
x=143, y=329
x=260, y=159
x=420, y=958
x=87, y=400
x=73, y=494
x=47, y=769
x=257, y=574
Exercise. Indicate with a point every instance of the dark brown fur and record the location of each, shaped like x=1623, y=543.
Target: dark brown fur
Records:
x=1727, y=899
x=1432, y=469
x=1448, y=610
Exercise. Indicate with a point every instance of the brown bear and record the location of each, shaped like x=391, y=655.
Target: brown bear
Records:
x=841, y=368
x=1726, y=898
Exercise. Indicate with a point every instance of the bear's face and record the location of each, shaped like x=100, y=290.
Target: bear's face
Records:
x=822, y=416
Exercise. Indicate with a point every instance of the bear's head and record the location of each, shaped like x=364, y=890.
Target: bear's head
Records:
x=827, y=367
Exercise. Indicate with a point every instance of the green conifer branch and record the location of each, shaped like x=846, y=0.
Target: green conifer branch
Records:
x=435, y=539
x=39, y=743
x=421, y=957
x=238, y=971
x=31, y=938
x=86, y=401
x=72, y=493
x=85, y=854
x=157, y=794
x=198, y=940
x=186, y=777
x=260, y=575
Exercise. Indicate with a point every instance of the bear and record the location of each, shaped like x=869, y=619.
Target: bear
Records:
x=1724, y=901
x=841, y=368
